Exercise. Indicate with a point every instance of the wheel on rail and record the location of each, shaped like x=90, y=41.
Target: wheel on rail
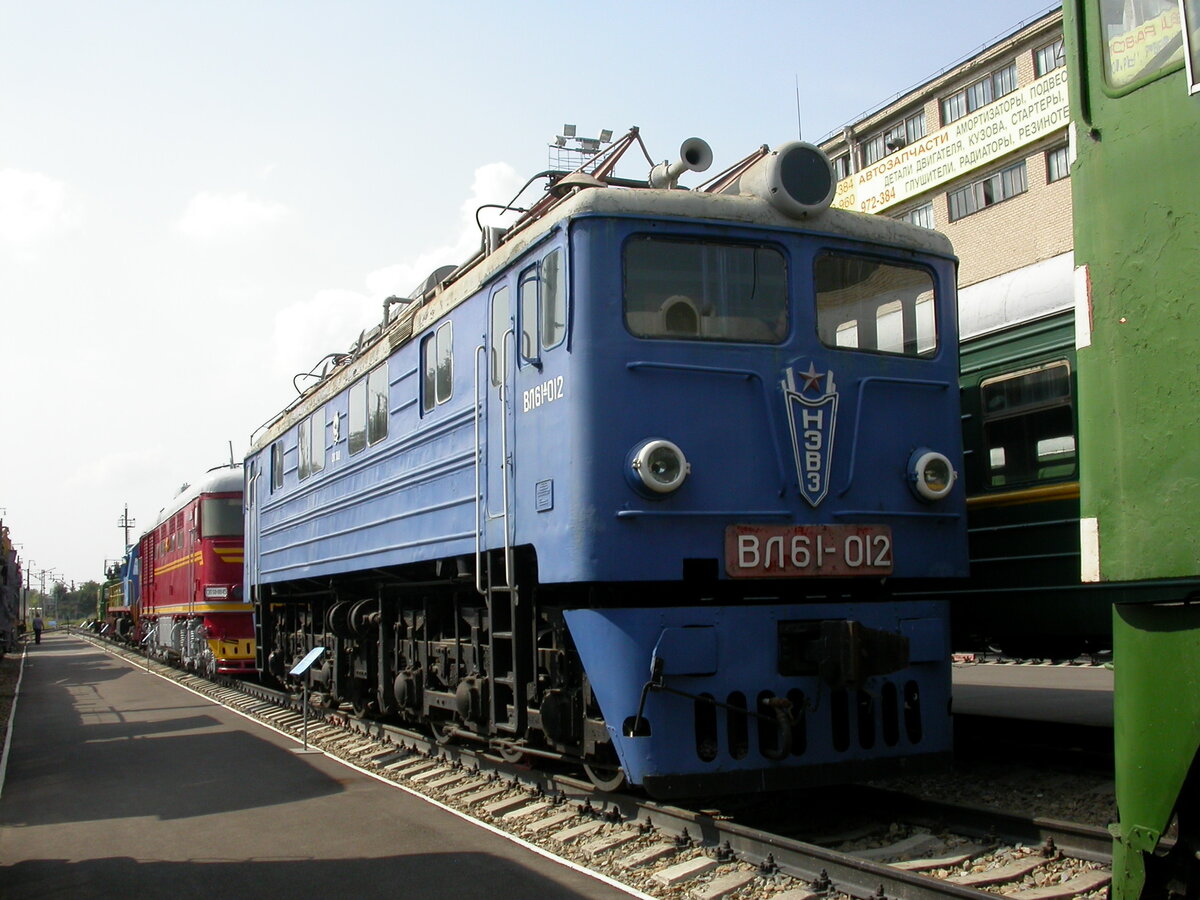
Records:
x=511, y=754
x=605, y=778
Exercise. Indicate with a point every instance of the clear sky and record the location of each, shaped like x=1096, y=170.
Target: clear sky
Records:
x=198, y=200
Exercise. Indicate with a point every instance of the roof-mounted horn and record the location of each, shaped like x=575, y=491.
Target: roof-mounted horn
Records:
x=694, y=156
x=797, y=179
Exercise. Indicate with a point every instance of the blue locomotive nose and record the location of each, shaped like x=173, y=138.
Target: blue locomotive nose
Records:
x=767, y=697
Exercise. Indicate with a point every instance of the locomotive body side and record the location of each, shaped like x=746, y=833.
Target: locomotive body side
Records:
x=1136, y=108
x=602, y=518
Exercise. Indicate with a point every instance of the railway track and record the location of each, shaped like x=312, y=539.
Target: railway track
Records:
x=857, y=842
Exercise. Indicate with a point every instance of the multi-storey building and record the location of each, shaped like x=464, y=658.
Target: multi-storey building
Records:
x=979, y=152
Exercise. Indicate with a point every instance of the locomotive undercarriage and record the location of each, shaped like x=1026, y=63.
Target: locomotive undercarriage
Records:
x=424, y=646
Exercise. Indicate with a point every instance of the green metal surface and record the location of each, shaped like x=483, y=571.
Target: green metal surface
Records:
x=1136, y=192
x=1136, y=204
x=1156, y=733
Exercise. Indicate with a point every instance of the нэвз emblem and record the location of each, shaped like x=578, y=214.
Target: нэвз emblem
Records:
x=812, y=414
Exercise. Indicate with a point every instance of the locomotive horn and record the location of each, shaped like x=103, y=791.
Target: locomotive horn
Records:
x=694, y=155
x=797, y=179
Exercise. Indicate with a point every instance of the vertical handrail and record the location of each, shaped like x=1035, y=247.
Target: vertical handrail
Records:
x=481, y=350
x=505, y=461
x=251, y=551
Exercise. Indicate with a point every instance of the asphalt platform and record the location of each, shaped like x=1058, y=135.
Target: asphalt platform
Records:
x=122, y=784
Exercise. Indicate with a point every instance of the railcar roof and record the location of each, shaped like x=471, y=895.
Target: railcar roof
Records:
x=221, y=480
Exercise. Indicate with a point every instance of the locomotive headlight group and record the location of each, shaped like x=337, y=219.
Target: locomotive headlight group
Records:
x=659, y=466
x=930, y=474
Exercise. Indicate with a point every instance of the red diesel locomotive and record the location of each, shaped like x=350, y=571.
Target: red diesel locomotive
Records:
x=192, y=611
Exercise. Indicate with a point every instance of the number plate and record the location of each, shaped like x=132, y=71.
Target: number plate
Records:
x=790, y=551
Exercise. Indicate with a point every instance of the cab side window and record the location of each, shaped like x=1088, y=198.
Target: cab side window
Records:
x=437, y=367
x=542, y=302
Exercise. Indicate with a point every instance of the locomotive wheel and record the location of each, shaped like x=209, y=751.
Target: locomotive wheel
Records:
x=605, y=778
x=511, y=754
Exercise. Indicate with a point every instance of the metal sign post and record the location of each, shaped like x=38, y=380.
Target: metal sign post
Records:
x=299, y=670
x=146, y=648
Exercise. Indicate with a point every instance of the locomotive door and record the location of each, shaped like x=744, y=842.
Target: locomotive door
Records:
x=498, y=451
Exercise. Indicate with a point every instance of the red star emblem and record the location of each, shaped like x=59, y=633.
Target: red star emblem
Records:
x=812, y=378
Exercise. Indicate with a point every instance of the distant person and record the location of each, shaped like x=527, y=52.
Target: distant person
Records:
x=37, y=629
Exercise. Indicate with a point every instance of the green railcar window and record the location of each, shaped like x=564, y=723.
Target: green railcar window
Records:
x=1141, y=38
x=1029, y=425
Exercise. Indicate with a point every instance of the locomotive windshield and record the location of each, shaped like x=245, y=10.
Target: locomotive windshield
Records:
x=869, y=304
x=705, y=290
x=221, y=517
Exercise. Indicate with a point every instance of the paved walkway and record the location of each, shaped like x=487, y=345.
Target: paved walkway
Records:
x=123, y=784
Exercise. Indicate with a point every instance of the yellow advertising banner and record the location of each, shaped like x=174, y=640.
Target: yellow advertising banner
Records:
x=977, y=139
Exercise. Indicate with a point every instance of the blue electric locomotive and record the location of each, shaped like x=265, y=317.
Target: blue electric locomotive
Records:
x=630, y=488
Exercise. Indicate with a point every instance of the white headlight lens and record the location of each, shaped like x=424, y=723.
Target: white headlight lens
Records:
x=931, y=475
x=660, y=466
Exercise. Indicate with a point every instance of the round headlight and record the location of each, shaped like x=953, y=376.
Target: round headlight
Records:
x=930, y=474
x=659, y=466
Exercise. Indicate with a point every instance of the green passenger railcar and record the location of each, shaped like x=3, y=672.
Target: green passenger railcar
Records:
x=1136, y=192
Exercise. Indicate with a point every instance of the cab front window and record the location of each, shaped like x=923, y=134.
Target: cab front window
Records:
x=705, y=290
x=874, y=305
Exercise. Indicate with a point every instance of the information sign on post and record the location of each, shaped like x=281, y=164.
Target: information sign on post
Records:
x=299, y=671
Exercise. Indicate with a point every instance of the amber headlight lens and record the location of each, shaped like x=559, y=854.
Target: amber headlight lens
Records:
x=930, y=474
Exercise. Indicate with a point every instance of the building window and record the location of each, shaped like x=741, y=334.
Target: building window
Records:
x=922, y=215
x=980, y=93
x=437, y=363
x=1049, y=58
x=1058, y=163
x=898, y=136
x=874, y=150
x=988, y=191
x=368, y=409
x=841, y=167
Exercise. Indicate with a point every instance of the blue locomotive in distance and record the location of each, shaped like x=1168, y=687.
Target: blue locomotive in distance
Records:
x=630, y=489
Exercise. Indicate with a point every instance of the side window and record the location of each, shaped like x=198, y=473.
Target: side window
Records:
x=500, y=316
x=437, y=365
x=316, y=437
x=377, y=398
x=1029, y=426
x=527, y=298
x=304, y=446
x=542, y=299
x=368, y=411
x=876, y=306
x=554, y=300
x=276, y=466
x=358, y=416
